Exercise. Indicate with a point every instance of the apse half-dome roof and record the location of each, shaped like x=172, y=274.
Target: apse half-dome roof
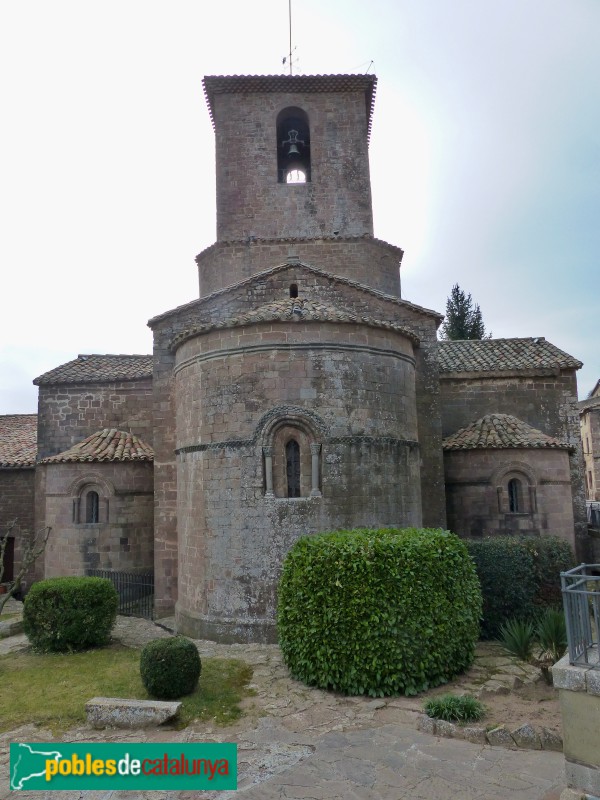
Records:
x=293, y=310
x=500, y=431
x=105, y=445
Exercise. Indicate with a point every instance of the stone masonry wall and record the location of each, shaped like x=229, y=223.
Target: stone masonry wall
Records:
x=17, y=503
x=251, y=202
x=351, y=388
x=275, y=285
x=68, y=413
x=477, y=492
x=123, y=537
x=369, y=261
x=590, y=436
x=547, y=402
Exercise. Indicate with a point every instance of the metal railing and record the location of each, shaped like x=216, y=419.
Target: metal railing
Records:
x=135, y=590
x=581, y=602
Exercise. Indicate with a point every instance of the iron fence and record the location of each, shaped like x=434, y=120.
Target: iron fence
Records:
x=135, y=590
x=581, y=601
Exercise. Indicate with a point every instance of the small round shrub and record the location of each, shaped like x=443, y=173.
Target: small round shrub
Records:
x=170, y=668
x=378, y=612
x=455, y=708
x=62, y=614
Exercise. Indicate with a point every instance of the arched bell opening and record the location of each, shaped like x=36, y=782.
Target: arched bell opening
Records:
x=293, y=146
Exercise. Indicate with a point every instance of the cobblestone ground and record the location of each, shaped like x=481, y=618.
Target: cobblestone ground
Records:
x=296, y=742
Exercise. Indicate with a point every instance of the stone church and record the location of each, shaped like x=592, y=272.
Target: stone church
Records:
x=298, y=393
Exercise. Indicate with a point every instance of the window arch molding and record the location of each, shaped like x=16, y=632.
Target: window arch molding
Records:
x=291, y=470
x=90, y=499
x=516, y=488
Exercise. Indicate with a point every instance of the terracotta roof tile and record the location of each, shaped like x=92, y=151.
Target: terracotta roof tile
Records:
x=497, y=355
x=500, y=431
x=99, y=368
x=390, y=298
x=18, y=440
x=263, y=84
x=588, y=404
x=293, y=310
x=106, y=445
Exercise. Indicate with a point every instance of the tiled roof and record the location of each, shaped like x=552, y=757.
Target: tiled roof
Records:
x=262, y=84
x=98, y=368
x=589, y=403
x=499, y=355
x=18, y=440
x=106, y=445
x=390, y=298
x=258, y=240
x=293, y=310
x=498, y=431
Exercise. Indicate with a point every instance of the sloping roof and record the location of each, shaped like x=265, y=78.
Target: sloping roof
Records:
x=500, y=431
x=263, y=84
x=588, y=404
x=105, y=445
x=18, y=440
x=96, y=368
x=330, y=276
x=293, y=310
x=497, y=355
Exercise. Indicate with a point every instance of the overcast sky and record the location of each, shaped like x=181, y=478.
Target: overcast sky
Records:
x=485, y=159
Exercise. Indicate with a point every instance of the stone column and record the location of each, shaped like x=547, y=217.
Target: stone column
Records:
x=268, y=454
x=315, y=449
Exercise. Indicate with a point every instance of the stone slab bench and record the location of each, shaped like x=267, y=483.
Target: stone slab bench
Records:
x=114, y=712
x=11, y=628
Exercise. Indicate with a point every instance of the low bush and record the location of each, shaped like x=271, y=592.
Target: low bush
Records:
x=62, y=614
x=455, y=708
x=551, y=633
x=517, y=637
x=518, y=576
x=378, y=612
x=170, y=668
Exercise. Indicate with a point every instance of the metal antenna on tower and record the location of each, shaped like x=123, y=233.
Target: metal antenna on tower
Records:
x=290, y=18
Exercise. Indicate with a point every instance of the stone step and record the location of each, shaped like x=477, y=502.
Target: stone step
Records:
x=115, y=712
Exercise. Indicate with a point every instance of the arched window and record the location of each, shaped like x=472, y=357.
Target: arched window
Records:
x=294, y=290
x=92, y=507
x=292, y=459
x=515, y=496
x=293, y=146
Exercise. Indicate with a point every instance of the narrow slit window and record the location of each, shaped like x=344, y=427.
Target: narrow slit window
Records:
x=515, y=501
x=292, y=457
x=294, y=290
x=92, y=507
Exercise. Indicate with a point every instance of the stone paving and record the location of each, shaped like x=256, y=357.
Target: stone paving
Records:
x=300, y=743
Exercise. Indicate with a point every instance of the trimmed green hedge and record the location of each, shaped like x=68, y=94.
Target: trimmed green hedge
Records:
x=61, y=614
x=378, y=612
x=170, y=668
x=518, y=576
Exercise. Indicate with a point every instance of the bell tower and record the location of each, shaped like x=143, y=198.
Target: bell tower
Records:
x=292, y=155
x=292, y=174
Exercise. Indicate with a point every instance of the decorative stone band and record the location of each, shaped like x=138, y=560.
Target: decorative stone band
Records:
x=295, y=347
x=240, y=443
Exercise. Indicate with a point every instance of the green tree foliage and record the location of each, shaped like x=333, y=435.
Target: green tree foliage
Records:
x=519, y=576
x=463, y=317
x=378, y=612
